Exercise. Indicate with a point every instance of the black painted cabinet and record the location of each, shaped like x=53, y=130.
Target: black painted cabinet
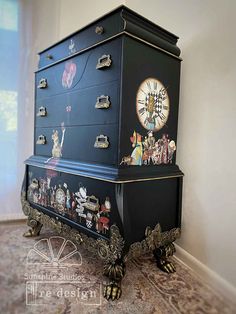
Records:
x=106, y=117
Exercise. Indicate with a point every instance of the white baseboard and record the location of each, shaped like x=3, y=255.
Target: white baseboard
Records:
x=12, y=217
x=206, y=274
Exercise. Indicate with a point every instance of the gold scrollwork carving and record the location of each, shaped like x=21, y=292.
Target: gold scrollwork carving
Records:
x=154, y=239
x=109, y=250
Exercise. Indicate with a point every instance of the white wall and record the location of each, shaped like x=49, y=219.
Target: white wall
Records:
x=207, y=127
x=77, y=13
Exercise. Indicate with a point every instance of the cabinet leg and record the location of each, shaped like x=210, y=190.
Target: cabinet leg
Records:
x=162, y=254
x=115, y=271
x=35, y=228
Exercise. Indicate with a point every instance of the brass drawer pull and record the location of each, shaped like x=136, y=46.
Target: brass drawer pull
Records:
x=49, y=57
x=41, y=140
x=99, y=30
x=101, y=141
x=42, y=112
x=92, y=203
x=103, y=102
x=43, y=83
x=104, y=62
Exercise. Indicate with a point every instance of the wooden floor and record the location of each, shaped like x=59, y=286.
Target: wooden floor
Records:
x=48, y=275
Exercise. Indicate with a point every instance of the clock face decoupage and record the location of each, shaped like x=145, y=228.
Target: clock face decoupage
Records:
x=152, y=146
x=152, y=104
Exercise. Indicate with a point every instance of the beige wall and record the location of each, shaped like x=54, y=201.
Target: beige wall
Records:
x=77, y=13
x=207, y=128
x=207, y=124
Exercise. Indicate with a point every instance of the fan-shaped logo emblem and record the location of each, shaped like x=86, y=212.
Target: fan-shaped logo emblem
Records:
x=55, y=252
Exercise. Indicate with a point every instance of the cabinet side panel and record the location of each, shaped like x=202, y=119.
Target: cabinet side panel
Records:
x=147, y=65
x=148, y=203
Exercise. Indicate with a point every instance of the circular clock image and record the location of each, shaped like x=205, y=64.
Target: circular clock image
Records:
x=60, y=198
x=152, y=104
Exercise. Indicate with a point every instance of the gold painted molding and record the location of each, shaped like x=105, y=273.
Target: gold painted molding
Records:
x=108, y=250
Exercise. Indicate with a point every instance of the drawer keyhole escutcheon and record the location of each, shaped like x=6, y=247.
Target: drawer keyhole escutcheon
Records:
x=41, y=140
x=104, y=62
x=99, y=30
x=43, y=83
x=103, y=102
x=101, y=141
x=42, y=112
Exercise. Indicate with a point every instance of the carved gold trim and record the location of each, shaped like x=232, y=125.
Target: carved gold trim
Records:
x=154, y=239
x=109, y=250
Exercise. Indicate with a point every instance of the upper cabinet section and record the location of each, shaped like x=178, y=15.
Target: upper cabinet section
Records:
x=119, y=21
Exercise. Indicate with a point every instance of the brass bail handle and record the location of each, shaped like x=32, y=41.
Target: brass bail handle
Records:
x=42, y=112
x=104, y=61
x=103, y=102
x=101, y=141
x=42, y=83
x=41, y=140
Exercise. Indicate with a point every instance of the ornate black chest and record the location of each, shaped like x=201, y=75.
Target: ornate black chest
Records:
x=106, y=113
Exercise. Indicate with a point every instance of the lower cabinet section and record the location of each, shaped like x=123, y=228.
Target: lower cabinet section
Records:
x=81, y=200
x=93, y=205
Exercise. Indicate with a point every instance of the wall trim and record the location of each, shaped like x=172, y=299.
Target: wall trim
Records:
x=215, y=281
x=12, y=217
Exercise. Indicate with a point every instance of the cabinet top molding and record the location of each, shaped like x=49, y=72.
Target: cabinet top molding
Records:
x=119, y=21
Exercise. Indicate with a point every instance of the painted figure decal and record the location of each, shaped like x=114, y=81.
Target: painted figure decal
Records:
x=57, y=145
x=75, y=205
x=137, y=153
x=149, y=151
x=72, y=48
x=68, y=74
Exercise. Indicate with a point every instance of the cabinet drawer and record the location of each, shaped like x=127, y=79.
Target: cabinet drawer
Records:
x=93, y=34
x=97, y=66
x=80, y=200
x=95, y=105
x=78, y=143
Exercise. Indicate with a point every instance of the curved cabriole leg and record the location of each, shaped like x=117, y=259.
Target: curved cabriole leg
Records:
x=162, y=254
x=35, y=228
x=115, y=271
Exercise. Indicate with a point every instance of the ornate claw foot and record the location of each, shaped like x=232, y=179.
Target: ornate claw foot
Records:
x=115, y=272
x=161, y=254
x=35, y=228
x=112, y=291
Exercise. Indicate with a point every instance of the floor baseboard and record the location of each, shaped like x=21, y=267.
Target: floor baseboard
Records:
x=210, y=277
x=12, y=217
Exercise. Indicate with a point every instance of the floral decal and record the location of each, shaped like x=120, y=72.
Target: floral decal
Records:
x=68, y=74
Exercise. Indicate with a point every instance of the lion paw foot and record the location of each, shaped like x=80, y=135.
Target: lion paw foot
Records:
x=112, y=291
x=166, y=266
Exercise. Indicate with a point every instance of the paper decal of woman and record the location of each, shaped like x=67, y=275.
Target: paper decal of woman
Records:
x=57, y=145
x=137, y=153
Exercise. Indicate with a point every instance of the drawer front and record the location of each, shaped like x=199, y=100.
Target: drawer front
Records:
x=78, y=143
x=97, y=32
x=97, y=66
x=95, y=105
x=88, y=203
